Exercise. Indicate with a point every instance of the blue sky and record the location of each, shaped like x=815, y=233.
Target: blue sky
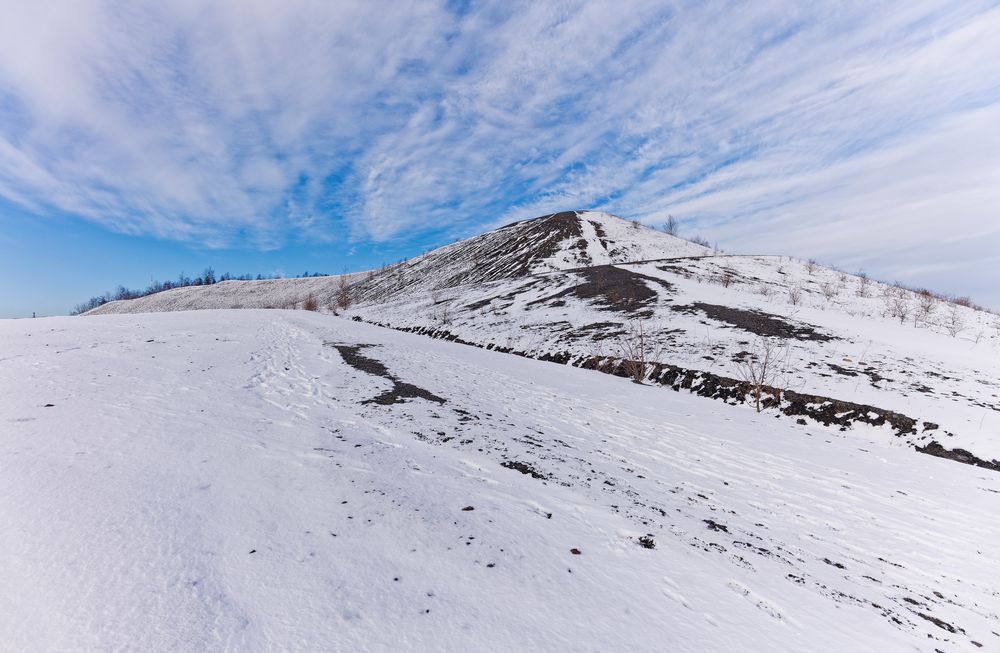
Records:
x=140, y=140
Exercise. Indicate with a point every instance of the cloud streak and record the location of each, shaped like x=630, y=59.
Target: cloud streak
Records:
x=836, y=130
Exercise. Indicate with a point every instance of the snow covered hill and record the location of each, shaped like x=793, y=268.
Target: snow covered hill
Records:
x=881, y=361
x=287, y=480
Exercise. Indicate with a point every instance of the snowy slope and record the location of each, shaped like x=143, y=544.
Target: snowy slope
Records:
x=223, y=480
x=553, y=242
x=266, y=293
x=570, y=286
x=842, y=347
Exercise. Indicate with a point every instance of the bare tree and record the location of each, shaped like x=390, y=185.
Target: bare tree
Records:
x=764, y=366
x=811, y=266
x=637, y=349
x=795, y=295
x=670, y=226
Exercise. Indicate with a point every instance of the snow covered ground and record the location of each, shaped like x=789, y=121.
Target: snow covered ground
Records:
x=247, y=480
x=571, y=285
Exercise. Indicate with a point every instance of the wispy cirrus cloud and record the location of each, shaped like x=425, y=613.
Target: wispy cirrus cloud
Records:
x=835, y=130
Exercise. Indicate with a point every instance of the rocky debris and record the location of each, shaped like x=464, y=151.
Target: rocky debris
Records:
x=524, y=468
x=960, y=455
x=716, y=526
x=832, y=412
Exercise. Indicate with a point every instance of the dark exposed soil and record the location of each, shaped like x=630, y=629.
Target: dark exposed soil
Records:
x=756, y=322
x=399, y=392
x=506, y=253
x=944, y=625
x=612, y=289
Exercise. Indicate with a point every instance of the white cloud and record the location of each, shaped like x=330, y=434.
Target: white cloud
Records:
x=825, y=130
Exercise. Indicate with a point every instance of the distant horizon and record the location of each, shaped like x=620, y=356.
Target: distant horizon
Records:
x=140, y=142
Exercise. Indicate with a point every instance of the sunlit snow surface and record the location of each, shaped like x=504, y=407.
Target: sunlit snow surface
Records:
x=948, y=382
x=214, y=480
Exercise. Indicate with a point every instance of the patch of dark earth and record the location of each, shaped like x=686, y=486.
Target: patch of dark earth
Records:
x=613, y=289
x=868, y=371
x=756, y=322
x=506, y=253
x=400, y=390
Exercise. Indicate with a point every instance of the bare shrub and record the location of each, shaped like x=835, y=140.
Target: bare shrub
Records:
x=637, y=350
x=864, y=285
x=900, y=309
x=442, y=316
x=795, y=295
x=926, y=305
x=727, y=278
x=343, y=298
x=310, y=304
x=829, y=289
x=765, y=290
x=811, y=266
x=897, y=305
x=764, y=366
x=698, y=240
x=954, y=324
